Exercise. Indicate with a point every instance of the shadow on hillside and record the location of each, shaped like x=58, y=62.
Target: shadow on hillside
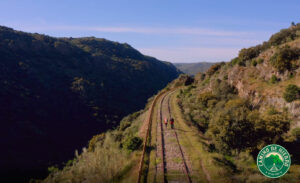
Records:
x=294, y=150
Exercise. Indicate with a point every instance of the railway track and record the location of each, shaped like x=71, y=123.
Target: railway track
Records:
x=173, y=166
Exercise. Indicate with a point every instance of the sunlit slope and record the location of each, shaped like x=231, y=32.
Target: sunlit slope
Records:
x=248, y=103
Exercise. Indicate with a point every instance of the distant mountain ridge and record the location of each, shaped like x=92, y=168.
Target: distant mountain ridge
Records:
x=56, y=93
x=194, y=68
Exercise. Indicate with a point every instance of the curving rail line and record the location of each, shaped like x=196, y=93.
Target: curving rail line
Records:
x=149, y=121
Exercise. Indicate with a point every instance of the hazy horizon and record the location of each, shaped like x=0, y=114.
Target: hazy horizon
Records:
x=172, y=31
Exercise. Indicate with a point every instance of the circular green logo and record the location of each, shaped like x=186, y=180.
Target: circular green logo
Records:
x=273, y=161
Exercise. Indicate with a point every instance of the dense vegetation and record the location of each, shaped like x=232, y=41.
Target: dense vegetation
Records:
x=193, y=68
x=285, y=59
x=236, y=129
x=238, y=108
x=282, y=37
x=231, y=122
x=58, y=92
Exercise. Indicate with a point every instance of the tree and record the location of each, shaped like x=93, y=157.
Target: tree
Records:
x=231, y=128
x=132, y=143
x=275, y=124
x=249, y=53
x=291, y=93
x=238, y=127
x=282, y=59
x=214, y=68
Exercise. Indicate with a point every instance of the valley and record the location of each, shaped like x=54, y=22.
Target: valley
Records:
x=149, y=91
x=194, y=68
x=223, y=117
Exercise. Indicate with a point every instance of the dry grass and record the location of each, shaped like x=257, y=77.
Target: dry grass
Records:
x=103, y=165
x=107, y=162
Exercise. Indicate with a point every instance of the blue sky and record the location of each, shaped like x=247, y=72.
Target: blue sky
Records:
x=172, y=30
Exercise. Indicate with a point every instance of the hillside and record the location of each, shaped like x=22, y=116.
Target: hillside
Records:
x=248, y=103
x=193, y=68
x=222, y=119
x=56, y=93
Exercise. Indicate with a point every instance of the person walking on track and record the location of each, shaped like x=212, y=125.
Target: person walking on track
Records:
x=166, y=122
x=172, y=122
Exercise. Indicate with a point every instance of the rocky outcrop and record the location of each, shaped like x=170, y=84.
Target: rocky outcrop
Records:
x=249, y=81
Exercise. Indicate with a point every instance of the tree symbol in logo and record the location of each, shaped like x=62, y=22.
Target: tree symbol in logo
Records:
x=273, y=162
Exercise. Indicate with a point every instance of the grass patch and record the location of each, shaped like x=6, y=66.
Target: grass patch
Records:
x=158, y=160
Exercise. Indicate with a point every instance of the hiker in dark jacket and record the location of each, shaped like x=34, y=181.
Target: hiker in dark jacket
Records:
x=172, y=122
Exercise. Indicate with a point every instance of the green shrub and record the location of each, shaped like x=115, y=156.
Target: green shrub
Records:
x=284, y=36
x=291, y=93
x=132, y=143
x=231, y=129
x=238, y=127
x=127, y=121
x=187, y=91
x=282, y=59
x=253, y=62
x=222, y=89
x=272, y=111
x=205, y=82
x=238, y=61
x=118, y=136
x=291, y=75
x=97, y=138
x=274, y=79
x=53, y=169
x=249, y=53
x=260, y=60
x=203, y=98
x=124, y=124
x=188, y=81
x=273, y=126
x=225, y=77
x=214, y=68
x=70, y=162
